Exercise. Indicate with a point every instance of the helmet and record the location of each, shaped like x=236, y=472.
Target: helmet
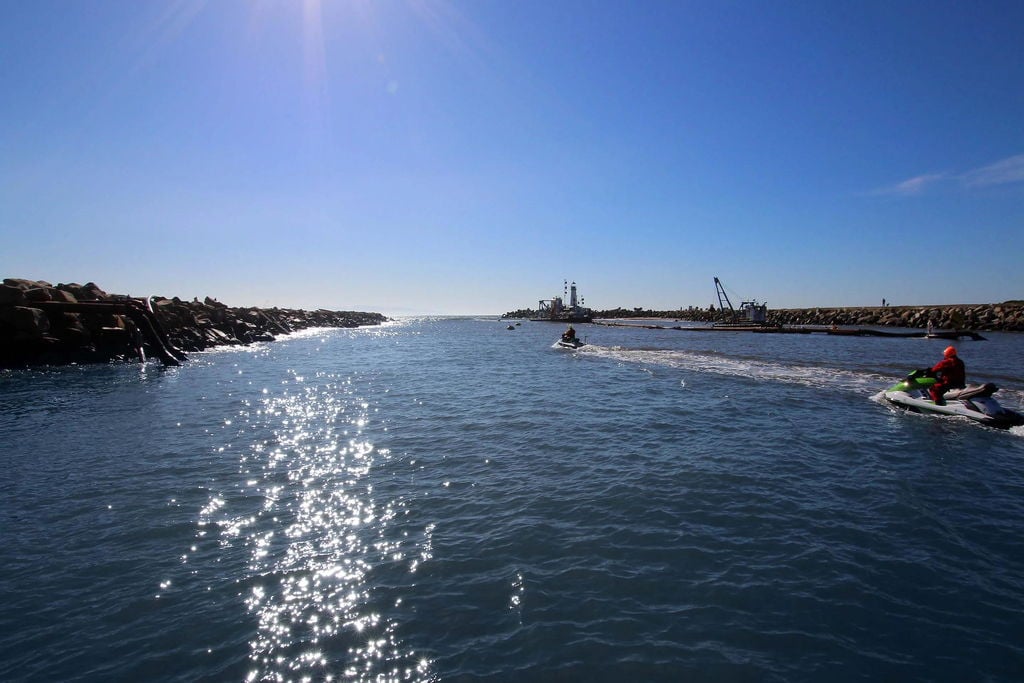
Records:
x=949, y=352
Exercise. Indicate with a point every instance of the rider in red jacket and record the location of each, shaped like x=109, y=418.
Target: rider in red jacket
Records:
x=949, y=372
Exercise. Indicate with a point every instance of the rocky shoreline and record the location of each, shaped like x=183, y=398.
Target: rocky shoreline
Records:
x=1003, y=317
x=44, y=324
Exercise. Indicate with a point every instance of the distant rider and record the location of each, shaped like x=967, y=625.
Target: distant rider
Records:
x=949, y=373
x=569, y=335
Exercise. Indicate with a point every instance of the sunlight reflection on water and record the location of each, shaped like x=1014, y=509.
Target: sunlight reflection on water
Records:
x=451, y=501
x=318, y=534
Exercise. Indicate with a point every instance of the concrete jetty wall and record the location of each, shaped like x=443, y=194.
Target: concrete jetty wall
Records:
x=33, y=332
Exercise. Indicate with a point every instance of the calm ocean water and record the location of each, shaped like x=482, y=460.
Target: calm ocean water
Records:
x=443, y=500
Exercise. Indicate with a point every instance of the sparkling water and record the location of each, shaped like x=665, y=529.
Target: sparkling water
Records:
x=446, y=499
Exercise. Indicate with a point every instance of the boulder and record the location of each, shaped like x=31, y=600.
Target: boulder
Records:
x=11, y=295
x=26, y=322
x=57, y=294
x=214, y=303
x=78, y=292
x=21, y=283
x=69, y=329
x=92, y=292
x=38, y=294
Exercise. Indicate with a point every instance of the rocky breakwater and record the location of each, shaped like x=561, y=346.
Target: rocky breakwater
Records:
x=1004, y=317
x=44, y=324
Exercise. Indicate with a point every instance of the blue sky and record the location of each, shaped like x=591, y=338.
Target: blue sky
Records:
x=467, y=157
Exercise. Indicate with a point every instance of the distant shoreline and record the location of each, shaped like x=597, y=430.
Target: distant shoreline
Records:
x=1002, y=317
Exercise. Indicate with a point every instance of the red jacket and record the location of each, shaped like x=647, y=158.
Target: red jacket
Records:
x=951, y=372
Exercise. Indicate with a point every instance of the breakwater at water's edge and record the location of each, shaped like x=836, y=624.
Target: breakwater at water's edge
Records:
x=44, y=324
x=1002, y=317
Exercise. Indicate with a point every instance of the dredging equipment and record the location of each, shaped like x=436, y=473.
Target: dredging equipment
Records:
x=751, y=313
x=555, y=310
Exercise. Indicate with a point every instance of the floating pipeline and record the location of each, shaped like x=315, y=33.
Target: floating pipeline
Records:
x=43, y=324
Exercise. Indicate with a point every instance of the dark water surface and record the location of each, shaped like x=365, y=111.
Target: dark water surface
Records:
x=447, y=500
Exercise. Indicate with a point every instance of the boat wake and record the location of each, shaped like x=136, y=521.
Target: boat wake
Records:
x=817, y=376
x=809, y=375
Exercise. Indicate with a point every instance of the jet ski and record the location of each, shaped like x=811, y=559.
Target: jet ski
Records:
x=573, y=343
x=974, y=401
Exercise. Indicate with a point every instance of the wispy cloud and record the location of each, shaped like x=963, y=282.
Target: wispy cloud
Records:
x=912, y=186
x=1010, y=170
x=1003, y=172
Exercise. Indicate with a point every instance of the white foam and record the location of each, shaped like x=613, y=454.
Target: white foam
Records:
x=816, y=376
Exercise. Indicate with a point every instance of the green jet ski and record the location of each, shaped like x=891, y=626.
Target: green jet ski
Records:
x=973, y=401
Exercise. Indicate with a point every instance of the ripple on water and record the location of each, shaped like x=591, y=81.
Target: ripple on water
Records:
x=441, y=500
x=320, y=539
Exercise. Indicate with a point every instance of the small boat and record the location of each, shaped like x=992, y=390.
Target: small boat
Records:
x=974, y=402
x=510, y=327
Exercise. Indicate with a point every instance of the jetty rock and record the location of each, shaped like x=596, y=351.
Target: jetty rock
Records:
x=45, y=324
x=1002, y=317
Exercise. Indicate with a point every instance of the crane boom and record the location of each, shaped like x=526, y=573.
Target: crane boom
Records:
x=722, y=295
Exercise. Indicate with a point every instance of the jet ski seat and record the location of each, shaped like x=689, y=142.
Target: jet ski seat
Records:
x=973, y=391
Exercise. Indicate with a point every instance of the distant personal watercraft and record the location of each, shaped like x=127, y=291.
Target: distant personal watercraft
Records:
x=974, y=402
x=569, y=344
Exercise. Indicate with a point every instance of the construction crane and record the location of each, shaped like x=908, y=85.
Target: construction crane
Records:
x=750, y=311
x=723, y=300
